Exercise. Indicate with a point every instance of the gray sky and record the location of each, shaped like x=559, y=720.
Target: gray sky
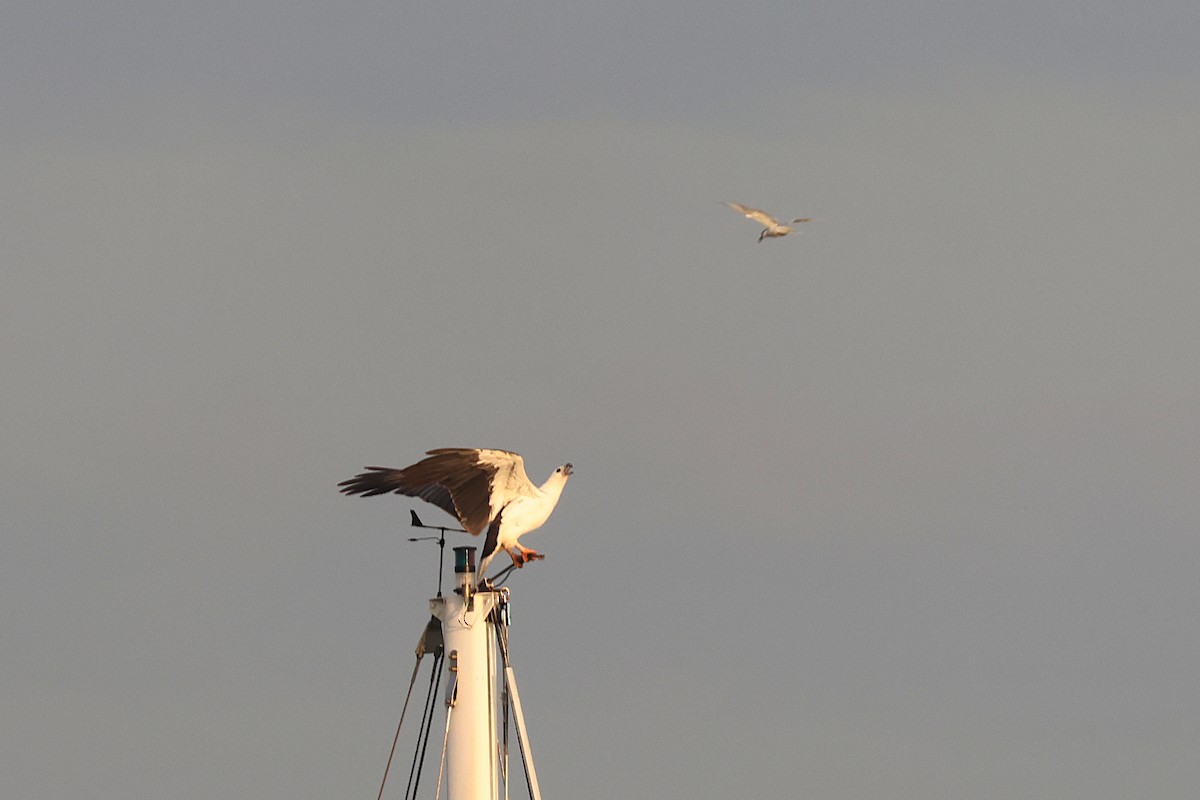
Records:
x=900, y=507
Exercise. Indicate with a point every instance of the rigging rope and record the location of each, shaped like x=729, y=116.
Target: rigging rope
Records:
x=504, y=728
x=502, y=642
x=435, y=680
x=503, y=575
x=446, y=738
x=408, y=696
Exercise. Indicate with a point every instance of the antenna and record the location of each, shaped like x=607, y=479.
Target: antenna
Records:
x=440, y=539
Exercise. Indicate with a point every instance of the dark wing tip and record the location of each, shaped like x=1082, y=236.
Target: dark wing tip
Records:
x=369, y=483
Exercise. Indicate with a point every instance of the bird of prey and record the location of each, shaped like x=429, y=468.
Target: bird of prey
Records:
x=771, y=226
x=486, y=490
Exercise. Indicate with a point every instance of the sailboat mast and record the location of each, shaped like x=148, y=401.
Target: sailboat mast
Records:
x=471, y=677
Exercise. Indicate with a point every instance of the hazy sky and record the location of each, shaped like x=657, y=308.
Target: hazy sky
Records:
x=904, y=506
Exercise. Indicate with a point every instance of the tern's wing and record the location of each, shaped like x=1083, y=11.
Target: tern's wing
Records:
x=759, y=216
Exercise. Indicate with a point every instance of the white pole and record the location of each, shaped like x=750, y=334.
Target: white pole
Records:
x=470, y=742
x=535, y=788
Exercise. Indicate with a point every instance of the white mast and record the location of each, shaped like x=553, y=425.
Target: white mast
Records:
x=471, y=664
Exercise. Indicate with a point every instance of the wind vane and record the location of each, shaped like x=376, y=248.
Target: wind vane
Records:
x=440, y=539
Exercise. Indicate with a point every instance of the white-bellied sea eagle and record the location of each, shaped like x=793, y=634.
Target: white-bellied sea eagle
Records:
x=486, y=490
